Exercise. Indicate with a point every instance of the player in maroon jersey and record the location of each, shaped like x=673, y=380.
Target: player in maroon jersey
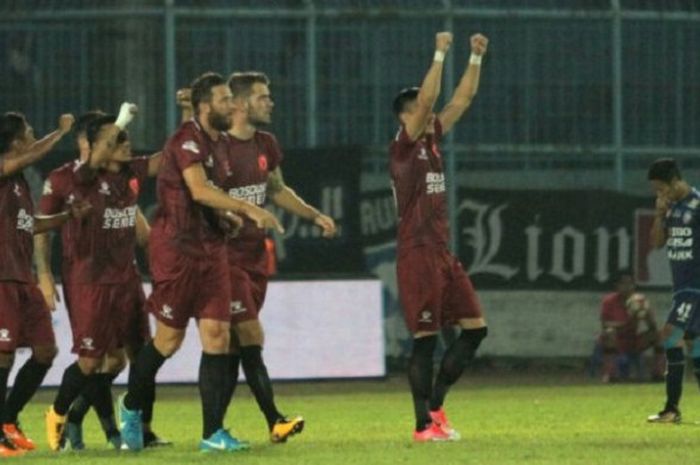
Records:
x=97, y=263
x=188, y=263
x=24, y=318
x=255, y=174
x=135, y=331
x=433, y=287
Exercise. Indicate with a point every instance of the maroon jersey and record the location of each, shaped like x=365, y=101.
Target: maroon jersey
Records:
x=180, y=222
x=418, y=181
x=100, y=248
x=249, y=164
x=16, y=229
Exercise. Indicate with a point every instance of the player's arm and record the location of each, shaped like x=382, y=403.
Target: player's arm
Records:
x=284, y=197
x=154, y=162
x=205, y=194
x=42, y=258
x=468, y=85
x=658, y=227
x=78, y=209
x=143, y=229
x=106, y=142
x=15, y=162
x=430, y=88
x=184, y=101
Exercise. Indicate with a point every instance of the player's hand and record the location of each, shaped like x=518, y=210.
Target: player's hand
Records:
x=327, y=224
x=662, y=205
x=263, y=219
x=79, y=209
x=65, y=123
x=443, y=40
x=231, y=223
x=183, y=97
x=479, y=44
x=127, y=112
x=47, y=286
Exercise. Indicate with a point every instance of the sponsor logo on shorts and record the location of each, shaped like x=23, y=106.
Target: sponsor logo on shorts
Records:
x=104, y=189
x=167, y=312
x=237, y=307
x=5, y=335
x=87, y=344
x=425, y=317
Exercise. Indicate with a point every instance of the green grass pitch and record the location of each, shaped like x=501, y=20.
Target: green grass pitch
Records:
x=510, y=420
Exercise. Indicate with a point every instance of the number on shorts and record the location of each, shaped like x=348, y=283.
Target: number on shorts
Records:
x=683, y=311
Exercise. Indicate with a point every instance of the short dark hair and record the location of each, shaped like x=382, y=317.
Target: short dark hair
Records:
x=241, y=83
x=84, y=120
x=12, y=126
x=93, y=126
x=202, y=86
x=404, y=96
x=664, y=170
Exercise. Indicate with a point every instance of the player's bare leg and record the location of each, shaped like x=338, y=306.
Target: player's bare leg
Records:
x=252, y=338
x=672, y=339
x=27, y=382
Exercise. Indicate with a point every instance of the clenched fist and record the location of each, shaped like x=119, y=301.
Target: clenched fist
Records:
x=443, y=40
x=479, y=43
x=65, y=123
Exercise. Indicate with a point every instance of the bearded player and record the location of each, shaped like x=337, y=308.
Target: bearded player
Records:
x=433, y=287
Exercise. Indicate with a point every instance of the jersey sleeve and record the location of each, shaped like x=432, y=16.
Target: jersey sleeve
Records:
x=188, y=149
x=275, y=153
x=53, y=196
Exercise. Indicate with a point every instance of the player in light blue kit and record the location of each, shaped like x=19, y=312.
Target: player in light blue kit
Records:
x=677, y=226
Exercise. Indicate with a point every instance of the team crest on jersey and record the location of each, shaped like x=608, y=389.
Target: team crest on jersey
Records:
x=423, y=155
x=134, y=185
x=191, y=146
x=5, y=335
x=104, y=189
x=262, y=162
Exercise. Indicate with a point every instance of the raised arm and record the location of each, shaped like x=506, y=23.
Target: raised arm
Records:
x=429, y=89
x=38, y=150
x=468, y=85
x=284, y=196
x=184, y=101
x=203, y=193
x=658, y=227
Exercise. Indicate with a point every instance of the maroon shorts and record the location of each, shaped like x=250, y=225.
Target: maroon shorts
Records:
x=135, y=330
x=191, y=287
x=434, y=289
x=25, y=320
x=97, y=313
x=247, y=294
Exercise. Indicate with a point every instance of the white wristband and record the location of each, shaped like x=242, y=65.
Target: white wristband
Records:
x=439, y=56
x=475, y=59
x=126, y=114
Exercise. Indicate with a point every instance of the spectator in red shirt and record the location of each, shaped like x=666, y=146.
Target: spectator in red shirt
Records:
x=629, y=328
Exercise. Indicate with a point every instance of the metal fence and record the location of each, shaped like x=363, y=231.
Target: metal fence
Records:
x=594, y=83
